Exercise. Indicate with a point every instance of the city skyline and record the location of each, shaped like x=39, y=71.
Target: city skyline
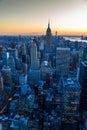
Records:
x=67, y=17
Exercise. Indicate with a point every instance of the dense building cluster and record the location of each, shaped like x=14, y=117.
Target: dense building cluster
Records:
x=43, y=82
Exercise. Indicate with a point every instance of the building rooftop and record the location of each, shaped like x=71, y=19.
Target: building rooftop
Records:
x=70, y=83
x=60, y=48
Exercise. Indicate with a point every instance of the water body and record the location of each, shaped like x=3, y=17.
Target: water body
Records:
x=73, y=39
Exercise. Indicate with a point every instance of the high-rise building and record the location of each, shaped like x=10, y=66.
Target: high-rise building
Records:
x=41, y=45
x=70, y=104
x=1, y=51
x=34, y=59
x=24, y=58
x=11, y=64
x=85, y=54
x=12, y=52
x=62, y=61
x=48, y=33
x=23, y=49
x=48, y=38
x=4, y=57
x=34, y=72
x=71, y=97
x=74, y=61
x=83, y=82
x=6, y=73
x=1, y=83
x=46, y=70
x=23, y=84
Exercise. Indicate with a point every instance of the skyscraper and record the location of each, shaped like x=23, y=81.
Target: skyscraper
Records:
x=11, y=64
x=70, y=103
x=85, y=54
x=46, y=70
x=83, y=82
x=34, y=59
x=24, y=59
x=71, y=96
x=48, y=38
x=12, y=52
x=34, y=72
x=1, y=51
x=62, y=61
x=6, y=73
x=48, y=34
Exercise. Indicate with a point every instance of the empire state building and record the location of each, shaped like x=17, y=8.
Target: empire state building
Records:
x=48, y=34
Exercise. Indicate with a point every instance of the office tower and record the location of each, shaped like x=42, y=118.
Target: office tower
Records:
x=24, y=68
x=34, y=76
x=41, y=49
x=4, y=57
x=34, y=72
x=23, y=77
x=6, y=73
x=70, y=102
x=41, y=45
x=23, y=47
x=11, y=64
x=34, y=59
x=48, y=34
x=83, y=82
x=48, y=38
x=12, y=52
x=23, y=84
x=71, y=96
x=46, y=71
x=74, y=60
x=85, y=54
x=1, y=83
x=1, y=51
x=24, y=59
x=62, y=61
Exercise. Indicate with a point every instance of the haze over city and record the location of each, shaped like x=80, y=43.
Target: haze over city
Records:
x=67, y=17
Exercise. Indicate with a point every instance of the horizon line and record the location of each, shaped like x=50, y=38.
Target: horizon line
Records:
x=37, y=34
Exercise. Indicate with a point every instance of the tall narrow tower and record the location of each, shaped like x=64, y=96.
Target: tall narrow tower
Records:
x=34, y=59
x=34, y=72
x=48, y=34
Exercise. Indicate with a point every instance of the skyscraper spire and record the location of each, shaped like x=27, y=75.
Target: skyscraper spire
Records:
x=48, y=23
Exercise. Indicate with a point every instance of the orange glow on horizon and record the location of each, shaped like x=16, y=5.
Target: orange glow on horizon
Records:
x=16, y=30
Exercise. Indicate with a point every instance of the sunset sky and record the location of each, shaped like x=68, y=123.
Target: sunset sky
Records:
x=31, y=16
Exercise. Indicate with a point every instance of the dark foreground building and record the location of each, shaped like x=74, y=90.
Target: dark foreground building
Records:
x=83, y=83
